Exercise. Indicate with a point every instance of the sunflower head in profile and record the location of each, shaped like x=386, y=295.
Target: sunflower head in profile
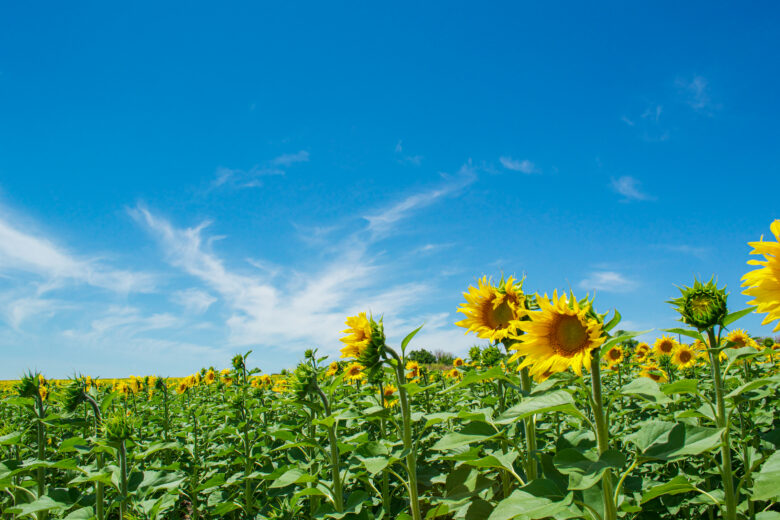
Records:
x=740, y=339
x=665, y=346
x=561, y=334
x=654, y=372
x=614, y=356
x=763, y=284
x=414, y=370
x=364, y=340
x=685, y=356
x=703, y=305
x=493, y=312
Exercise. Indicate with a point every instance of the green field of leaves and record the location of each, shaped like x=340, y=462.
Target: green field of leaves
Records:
x=560, y=414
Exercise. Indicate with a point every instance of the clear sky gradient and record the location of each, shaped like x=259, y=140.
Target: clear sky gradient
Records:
x=181, y=182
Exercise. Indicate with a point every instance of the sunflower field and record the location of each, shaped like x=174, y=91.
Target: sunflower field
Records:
x=562, y=415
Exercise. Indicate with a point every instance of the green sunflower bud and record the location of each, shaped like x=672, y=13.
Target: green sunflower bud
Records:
x=703, y=305
x=238, y=362
x=74, y=395
x=304, y=382
x=118, y=427
x=28, y=385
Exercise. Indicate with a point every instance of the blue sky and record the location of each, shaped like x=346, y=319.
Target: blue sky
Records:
x=182, y=182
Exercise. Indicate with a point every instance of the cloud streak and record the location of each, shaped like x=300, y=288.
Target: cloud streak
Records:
x=522, y=166
x=608, y=281
x=238, y=178
x=629, y=188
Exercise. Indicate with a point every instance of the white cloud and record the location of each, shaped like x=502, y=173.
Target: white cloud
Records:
x=629, y=188
x=697, y=251
x=22, y=251
x=415, y=160
x=608, y=281
x=193, y=300
x=696, y=93
x=238, y=178
x=382, y=222
x=524, y=166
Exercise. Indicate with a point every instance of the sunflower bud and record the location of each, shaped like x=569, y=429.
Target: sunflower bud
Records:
x=703, y=305
x=304, y=382
x=238, y=362
x=118, y=427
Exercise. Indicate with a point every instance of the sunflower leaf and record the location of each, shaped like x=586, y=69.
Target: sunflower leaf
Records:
x=734, y=316
x=408, y=338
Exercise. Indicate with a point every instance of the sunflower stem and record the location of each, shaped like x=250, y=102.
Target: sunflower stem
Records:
x=602, y=435
x=530, y=430
x=411, y=457
x=725, y=447
x=338, y=495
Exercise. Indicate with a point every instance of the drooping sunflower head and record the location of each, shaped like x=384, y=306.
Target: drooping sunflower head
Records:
x=493, y=312
x=763, y=284
x=703, y=305
x=665, y=346
x=614, y=356
x=740, y=338
x=685, y=356
x=304, y=381
x=562, y=334
x=655, y=373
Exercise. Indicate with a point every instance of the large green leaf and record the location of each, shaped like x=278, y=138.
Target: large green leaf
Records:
x=647, y=389
x=767, y=483
x=475, y=431
x=677, y=485
x=526, y=506
x=584, y=470
x=668, y=441
x=557, y=401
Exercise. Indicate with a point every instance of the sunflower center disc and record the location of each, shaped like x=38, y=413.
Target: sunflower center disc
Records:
x=570, y=334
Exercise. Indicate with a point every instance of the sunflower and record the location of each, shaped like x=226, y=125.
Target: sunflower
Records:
x=764, y=283
x=333, y=369
x=414, y=370
x=642, y=352
x=493, y=312
x=182, y=387
x=280, y=385
x=558, y=336
x=358, y=336
x=210, y=377
x=388, y=393
x=43, y=392
x=740, y=338
x=458, y=362
x=614, y=356
x=454, y=374
x=685, y=356
x=654, y=372
x=354, y=372
x=665, y=346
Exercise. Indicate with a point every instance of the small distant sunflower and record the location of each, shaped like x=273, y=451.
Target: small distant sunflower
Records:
x=182, y=387
x=763, y=284
x=210, y=377
x=558, y=336
x=333, y=369
x=493, y=312
x=354, y=372
x=358, y=336
x=642, y=352
x=654, y=372
x=454, y=374
x=414, y=370
x=388, y=395
x=740, y=338
x=665, y=346
x=458, y=362
x=684, y=356
x=614, y=356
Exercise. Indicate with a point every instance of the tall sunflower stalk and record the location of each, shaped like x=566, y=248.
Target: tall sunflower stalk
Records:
x=703, y=307
x=365, y=341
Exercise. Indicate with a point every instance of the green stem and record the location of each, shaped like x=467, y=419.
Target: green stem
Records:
x=530, y=430
x=338, y=497
x=602, y=435
x=725, y=448
x=41, y=472
x=123, y=477
x=411, y=457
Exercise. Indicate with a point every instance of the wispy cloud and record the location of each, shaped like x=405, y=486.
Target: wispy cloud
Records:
x=54, y=265
x=696, y=93
x=404, y=158
x=384, y=221
x=251, y=178
x=629, y=188
x=697, y=251
x=608, y=281
x=193, y=300
x=516, y=165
